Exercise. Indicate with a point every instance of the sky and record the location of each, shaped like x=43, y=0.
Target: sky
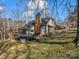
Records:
x=28, y=8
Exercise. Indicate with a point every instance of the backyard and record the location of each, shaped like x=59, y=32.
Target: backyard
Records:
x=39, y=29
x=45, y=49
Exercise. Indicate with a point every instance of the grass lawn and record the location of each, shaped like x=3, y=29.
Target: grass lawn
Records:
x=36, y=50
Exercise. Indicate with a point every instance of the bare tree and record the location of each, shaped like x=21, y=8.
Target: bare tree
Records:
x=2, y=15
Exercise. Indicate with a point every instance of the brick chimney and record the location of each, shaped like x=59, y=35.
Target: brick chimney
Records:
x=37, y=26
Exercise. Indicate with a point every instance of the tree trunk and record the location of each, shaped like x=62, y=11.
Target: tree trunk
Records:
x=76, y=41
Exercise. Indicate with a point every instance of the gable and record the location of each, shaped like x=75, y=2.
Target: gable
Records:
x=51, y=22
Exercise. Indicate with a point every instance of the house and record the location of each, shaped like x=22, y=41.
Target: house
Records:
x=36, y=28
x=47, y=26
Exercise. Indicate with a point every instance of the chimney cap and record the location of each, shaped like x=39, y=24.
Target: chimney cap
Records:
x=38, y=13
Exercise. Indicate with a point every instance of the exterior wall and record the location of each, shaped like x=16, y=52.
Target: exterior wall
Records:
x=47, y=30
x=51, y=23
x=43, y=30
x=51, y=26
x=32, y=30
x=51, y=29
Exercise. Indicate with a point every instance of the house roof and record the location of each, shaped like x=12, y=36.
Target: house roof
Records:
x=44, y=21
x=27, y=26
x=31, y=22
x=24, y=28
